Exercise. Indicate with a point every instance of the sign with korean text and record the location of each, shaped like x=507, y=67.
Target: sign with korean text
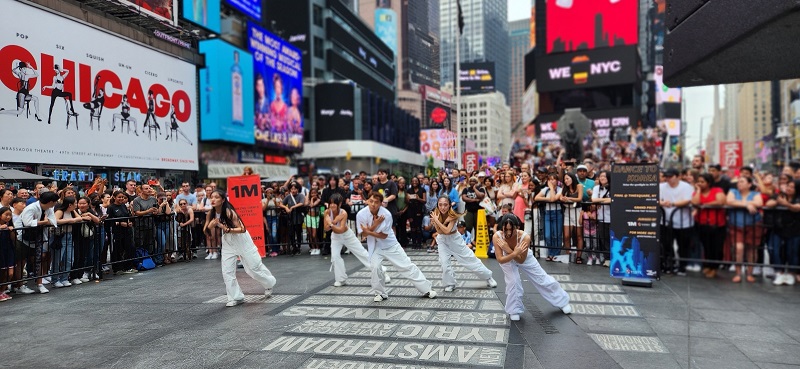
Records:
x=244, y=193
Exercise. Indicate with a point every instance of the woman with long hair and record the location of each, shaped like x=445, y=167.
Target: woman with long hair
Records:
x=450, y=190
x=709, y=222
x=601, y=195
x=745, y=219
x=342, y=236
x=573, y=193
x=784, y=242
x=432, y=195
x=416, y=209
x=184, y=216
x=66, y=216
x=312, y=221
x=507, y=189
x=522, y=198
x=85, y=242
x=236, y=243
x=550, y=195
x=514, y=254
x=444, y=219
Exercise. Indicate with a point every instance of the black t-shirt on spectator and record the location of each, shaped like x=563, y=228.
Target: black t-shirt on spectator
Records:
x=724, y=183
x=119, y=211
x=387, y=189
x=472, y=207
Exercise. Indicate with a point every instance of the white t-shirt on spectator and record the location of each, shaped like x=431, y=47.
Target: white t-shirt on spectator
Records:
x=683, y=192
x=551, y=205
x=603, y=210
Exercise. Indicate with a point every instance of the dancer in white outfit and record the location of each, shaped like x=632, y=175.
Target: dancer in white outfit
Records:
x=236, y=242
x=375, y=222
x=513, y=254
x=341, y=235
x=450, y=242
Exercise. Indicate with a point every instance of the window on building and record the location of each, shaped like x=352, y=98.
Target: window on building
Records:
x=483, y=112
x=317, y=15
x=319, y=73
x=483, y=104
x=319, y=49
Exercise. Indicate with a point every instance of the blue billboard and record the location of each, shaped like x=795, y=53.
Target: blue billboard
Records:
x=251, y=8
x=226, y=90
x=386, y=27
x=278, y=86
x=204, y=13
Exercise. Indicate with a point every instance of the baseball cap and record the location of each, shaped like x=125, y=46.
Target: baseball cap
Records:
x=671, y=172
x=481, y=174
x=582, y=167
x=347, y=171
x=462, y=223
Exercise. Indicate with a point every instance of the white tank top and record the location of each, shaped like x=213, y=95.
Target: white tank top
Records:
x=331, y=217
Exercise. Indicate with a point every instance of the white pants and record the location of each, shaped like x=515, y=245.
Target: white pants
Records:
x=347, y=239
x=547, y=286
x=454, y=245
x=241, y=245
x=402, y=263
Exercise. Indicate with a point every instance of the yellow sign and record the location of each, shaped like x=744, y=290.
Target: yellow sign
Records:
x=482, y=236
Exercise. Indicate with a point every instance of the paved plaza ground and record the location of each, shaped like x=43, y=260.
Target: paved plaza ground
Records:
x=175, y=317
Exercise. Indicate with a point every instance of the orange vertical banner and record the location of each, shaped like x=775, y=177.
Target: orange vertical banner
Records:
x=244, y=193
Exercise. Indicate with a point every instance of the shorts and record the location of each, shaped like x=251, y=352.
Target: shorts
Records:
x=572, y=217
x=312, y=221
x=750, y=235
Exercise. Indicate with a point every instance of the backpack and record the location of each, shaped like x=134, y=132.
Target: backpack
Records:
x=146, y=262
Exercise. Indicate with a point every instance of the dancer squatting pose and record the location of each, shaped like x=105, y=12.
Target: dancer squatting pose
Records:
x=236, y=242
x=341, y=235
x=375, y=222
x=450, y=242
x=513, y=254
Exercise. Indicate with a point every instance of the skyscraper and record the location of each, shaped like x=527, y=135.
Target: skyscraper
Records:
x=519, y=43
x=485, y=37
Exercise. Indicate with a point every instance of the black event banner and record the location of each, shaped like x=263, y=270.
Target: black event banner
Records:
x=587, y=69
x=635, y=247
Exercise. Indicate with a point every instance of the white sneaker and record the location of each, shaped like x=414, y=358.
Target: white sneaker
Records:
x=779, y=279
x=732, y=268
x=58, y=285
x=338, y=284
x=514, y=317
x=431, y=294
x=215, y=255
x=607, y=263
x=268, y=293
x=491, y=283
x=85, y=277
x=46, y=280
x=449, y=288
x=757, y=270
x=42, y=289
x=379, y=298
x=769, y=272
x=589, y=261
x=234, y=303
x=208, y=257
x=66, y=284
x=567, y=309
x=76, y=281
x=789, y=279
x=24, y=290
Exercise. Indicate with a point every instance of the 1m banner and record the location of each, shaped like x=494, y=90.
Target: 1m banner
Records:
x=635, y=219
x=244, y=193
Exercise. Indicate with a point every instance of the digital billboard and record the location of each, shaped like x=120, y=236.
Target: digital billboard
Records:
x=278, y=85
x=334, y=105
x=664, y=94
x=226, y=87
x=386, y=27
x=165, y=10
x=66, y=101
x=574, y=25
x=604, y=123
x=204, y=13
x=439, y=143
x=477, y=78
x=586, y=69
x=251, y=8
x=438, y=112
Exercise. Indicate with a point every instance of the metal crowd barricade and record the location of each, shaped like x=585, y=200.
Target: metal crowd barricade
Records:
x=581, y=229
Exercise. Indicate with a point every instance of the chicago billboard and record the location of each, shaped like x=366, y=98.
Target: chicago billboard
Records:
x=574, y=25
x=278, y=68
x=226, y=84
x=593, y=68
x=72, y=102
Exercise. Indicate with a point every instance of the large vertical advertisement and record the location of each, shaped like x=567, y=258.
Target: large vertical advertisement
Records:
x=244, y=193
x=226, y=87
x=635, y=219
x=251, y=8
x=64, y=100
x=334, y=103
x=278, y=67
x=574, y=25
x=439, y=143
x=165, y=10
x=204, y=13
x=386, y=27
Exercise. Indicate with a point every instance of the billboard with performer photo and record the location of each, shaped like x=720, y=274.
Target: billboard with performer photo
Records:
x=166, y=10
x=278, y=68
x=72, y=102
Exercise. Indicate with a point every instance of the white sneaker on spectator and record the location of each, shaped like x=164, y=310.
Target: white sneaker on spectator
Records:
x=208, y=257
x=779, y=279
x=732, y=268
x=66, y=284
x=757, y=270
x=24, y=290
x=449, y=288
x=58, y=285
x=46, y=280
x=76, y=281
x=85, y=277
x=42, y=289
x=788, y=279
x=514, y=317
x=769, y=272
x=491, y=283
x=589, y=261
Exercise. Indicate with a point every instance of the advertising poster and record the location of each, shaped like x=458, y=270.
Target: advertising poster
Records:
x=591, y=68
x=204, y=13
x=439, y=143
x=278, y=68
x=244, y=193
x=730, y=154
x=635, y=219
x=68, y=101
x=226, y=84
x=165, y=10
x=477, y=78
x=251, y=8
x=574, y=25
x=334, y=111
x=386, y=27
x=470, y=161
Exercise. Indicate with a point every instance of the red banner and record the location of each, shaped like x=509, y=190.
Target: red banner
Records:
x=244, y=193
x=471, y=161
x=730, y=154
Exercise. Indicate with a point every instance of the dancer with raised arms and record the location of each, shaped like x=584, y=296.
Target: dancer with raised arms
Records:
x=236, y=242
x=375, y=222
x=450, y=242
x=512, y=248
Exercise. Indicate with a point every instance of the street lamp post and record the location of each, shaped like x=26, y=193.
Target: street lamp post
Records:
x=702, y=120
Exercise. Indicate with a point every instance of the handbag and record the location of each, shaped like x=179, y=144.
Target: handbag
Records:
x=87, y=231
x=488, y=205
